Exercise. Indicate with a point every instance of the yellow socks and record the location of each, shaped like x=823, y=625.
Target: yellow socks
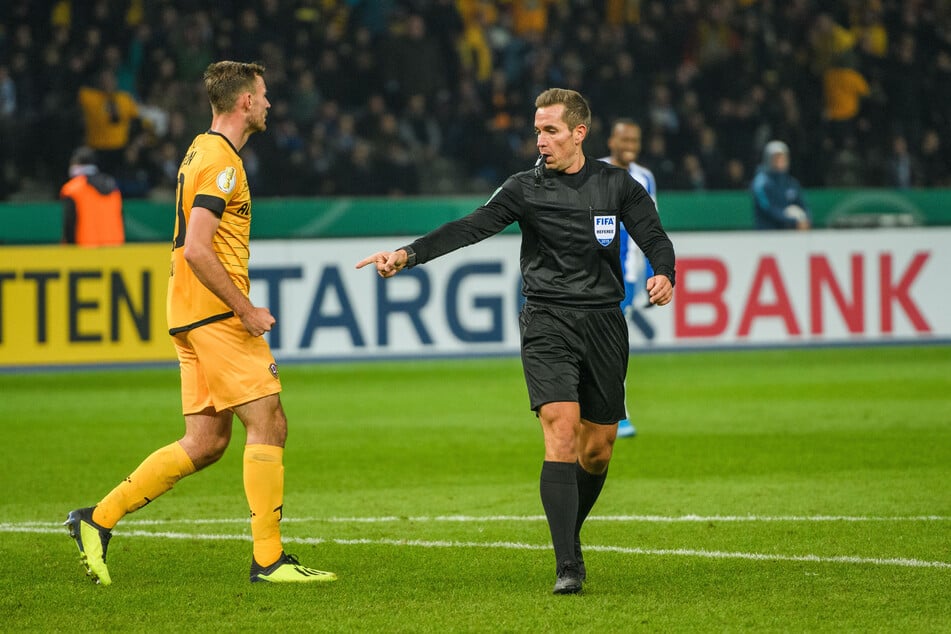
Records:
x=264, y=487
x=157, y=474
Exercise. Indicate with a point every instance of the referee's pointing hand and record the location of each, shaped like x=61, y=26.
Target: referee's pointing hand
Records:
x=388, y=263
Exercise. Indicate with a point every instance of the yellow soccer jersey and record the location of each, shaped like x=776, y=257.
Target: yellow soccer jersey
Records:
x=211, y=176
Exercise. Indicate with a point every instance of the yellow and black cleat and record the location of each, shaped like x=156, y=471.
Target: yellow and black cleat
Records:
x=287, y=569
x=92, y=540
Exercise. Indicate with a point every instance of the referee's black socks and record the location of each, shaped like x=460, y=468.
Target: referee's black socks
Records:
x=589, y=488
x=559, y=492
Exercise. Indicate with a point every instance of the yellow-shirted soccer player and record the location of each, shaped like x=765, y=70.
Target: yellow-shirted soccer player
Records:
x=226, y=366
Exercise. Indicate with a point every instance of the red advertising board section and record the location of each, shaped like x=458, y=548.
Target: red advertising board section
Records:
x=806, y=295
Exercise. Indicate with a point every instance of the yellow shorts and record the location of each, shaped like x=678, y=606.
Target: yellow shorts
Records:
x=222, y=365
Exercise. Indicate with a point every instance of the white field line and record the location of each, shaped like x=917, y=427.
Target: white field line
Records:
x=48, y=528
x=661, y=519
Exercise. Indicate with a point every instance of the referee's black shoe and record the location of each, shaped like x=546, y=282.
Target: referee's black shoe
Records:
x=569, y=578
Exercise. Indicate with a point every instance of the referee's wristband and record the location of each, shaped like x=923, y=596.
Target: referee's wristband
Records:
x=410, y=257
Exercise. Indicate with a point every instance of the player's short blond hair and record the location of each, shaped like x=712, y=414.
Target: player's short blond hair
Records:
x=576, y=112
x=225, y=80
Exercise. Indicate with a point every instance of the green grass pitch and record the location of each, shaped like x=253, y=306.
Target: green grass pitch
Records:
x=784, y=491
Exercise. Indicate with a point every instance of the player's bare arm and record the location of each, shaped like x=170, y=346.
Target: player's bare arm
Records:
x=388, y=263
x=201, y=257
x=660, y=290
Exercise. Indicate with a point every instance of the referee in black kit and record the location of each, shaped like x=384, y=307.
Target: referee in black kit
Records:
x=574, y=336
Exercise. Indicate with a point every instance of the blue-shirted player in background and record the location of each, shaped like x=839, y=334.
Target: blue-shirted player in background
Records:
x=625, y=146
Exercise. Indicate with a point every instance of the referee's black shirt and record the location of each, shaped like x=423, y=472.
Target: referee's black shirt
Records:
x=563, y=260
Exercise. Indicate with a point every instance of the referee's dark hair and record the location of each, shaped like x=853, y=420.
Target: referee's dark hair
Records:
x=576, y=108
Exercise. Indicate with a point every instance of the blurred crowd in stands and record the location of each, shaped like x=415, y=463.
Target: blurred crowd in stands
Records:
x=389, y=97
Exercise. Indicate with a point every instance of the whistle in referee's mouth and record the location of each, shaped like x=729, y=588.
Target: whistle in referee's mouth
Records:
x=539, y=169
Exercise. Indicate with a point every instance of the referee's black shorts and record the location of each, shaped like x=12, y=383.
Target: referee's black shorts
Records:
x=577, y=355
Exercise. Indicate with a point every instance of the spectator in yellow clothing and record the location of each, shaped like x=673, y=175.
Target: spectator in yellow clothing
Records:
x=828, y=40
x=843, y=88
x=475, y=55
x=869, y=30
x=622, y=12
x=108, y=116
x=529, y=17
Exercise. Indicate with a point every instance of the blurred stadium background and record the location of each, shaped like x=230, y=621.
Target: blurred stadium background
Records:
x=394, y=98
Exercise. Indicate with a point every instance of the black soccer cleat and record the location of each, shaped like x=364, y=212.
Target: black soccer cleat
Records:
x=569, y=578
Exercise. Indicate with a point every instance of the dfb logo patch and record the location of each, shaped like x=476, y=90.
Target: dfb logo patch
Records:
x=605, y=228
x=226, y=180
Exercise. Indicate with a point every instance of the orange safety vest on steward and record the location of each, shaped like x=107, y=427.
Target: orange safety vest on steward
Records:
x=98, y=214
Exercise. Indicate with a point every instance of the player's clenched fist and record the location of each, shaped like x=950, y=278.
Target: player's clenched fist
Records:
x=257, y=320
